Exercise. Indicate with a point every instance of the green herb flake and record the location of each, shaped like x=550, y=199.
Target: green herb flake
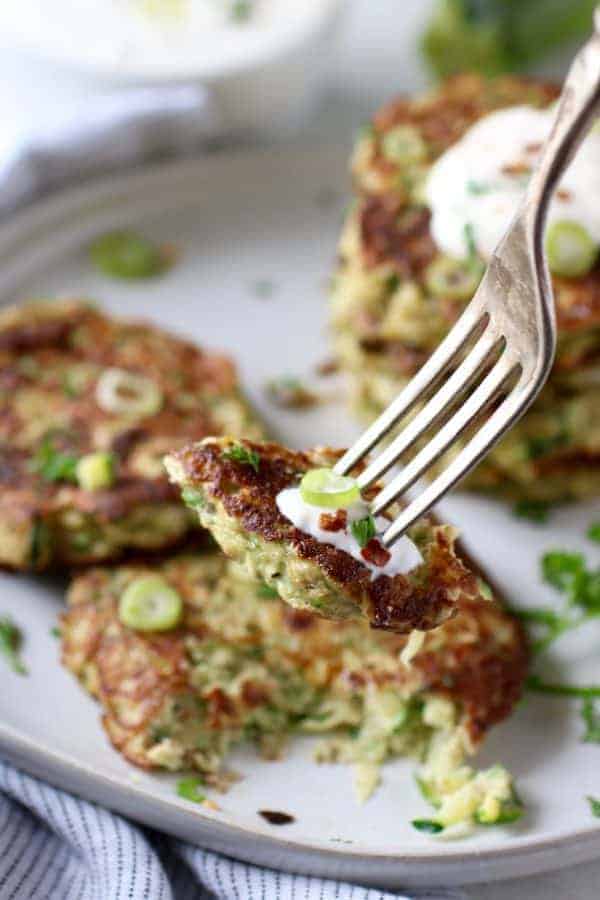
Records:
x=192, y=497
x=241, y=454
x=266, y=591
x=469, y=234
x=363, y=530
x=40, y=542
x=241, y=10
x=593, y=532
x=544, y=446
x=56, y=632
x=263, y=288
x=10, y=645
x=68, y=386
x=594, y=806
x=478, y=187
x=188, y=788
x=536, y=684
x=427, y=826
x=127, y=255
x=53, y=464
x=533, y=510
x=561, y=569
x=591, y=719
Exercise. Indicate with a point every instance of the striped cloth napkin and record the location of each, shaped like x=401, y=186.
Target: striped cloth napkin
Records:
x=54, y=846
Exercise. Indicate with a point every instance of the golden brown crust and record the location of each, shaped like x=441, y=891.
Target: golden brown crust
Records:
x=421, y=599
x=395, y=232
x=52, y=355
x=478, y=659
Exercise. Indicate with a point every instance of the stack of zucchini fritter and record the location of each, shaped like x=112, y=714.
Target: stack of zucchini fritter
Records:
x=395, y=295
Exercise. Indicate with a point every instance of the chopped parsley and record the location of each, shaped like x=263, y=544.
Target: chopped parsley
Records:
x=589, y=694
x=188, y=788
x=561, y=569
x=392, y=283
x=241, y=454
x=562, y=690
x=591, y=718
x=594, y=806
x=241, y=10
x=478, y=187
x=266, y=591
x=56, y=632
x=427, y=826
x=580, y=586
x=53, y=464
x=10, y=645
x=568, y=573
x=363, y=530
x=469, y=233
x=534, y=510
x=543, y=446
x=593, y=532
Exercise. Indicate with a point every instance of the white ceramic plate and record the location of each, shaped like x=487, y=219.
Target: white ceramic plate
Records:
x=274, y=216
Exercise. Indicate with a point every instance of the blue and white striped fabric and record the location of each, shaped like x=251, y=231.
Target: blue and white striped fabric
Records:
x=54, y=846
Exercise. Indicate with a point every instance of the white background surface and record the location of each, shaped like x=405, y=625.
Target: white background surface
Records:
x=377, y=58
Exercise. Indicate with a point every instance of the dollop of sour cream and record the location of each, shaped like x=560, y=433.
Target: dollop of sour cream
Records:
x=479, y=181
x=404, y=555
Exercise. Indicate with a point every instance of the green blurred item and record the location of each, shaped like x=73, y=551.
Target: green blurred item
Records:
x=493, y=36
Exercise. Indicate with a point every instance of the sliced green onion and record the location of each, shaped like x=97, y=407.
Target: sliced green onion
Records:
x=150, y=604
x=403, y=144
x=323, y=487
x=126, y=393
x=453, y=278
x=189, y=789
x=571, y=251
x=125, y=254
x=96, y=471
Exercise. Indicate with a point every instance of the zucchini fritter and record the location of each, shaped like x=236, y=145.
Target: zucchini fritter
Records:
x=395, y=295
x=236, y=502
x=243, y=665
x=77, y=385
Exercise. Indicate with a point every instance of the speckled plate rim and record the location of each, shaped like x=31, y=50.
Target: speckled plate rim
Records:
x=100, y=204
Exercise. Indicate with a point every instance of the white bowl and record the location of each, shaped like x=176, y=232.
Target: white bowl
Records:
x=265, y=75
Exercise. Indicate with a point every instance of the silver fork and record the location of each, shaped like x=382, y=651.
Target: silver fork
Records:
x=508, y=329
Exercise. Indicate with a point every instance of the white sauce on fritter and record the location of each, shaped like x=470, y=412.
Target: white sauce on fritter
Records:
x=404, y=555
x=478, y=182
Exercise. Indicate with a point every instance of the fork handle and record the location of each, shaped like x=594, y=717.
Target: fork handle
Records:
x=577, y=108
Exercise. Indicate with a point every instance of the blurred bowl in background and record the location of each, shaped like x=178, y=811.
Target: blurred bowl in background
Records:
x=266, y=73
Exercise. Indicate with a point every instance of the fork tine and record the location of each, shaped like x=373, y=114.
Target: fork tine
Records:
x=446, y=436
x=470, y=321
x=467, y=374
x=487, y=436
